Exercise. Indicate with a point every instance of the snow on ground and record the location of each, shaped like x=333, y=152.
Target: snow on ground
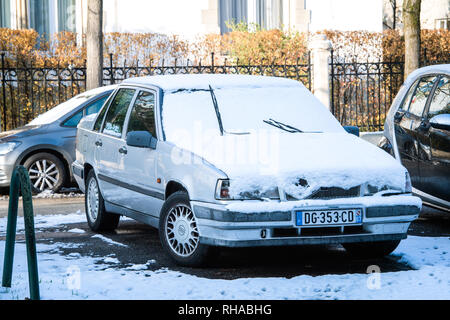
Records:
x=48, y=194
x=78, y=277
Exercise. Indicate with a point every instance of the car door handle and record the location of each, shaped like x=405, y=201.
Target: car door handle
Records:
x=123, y=150
x=98, y=143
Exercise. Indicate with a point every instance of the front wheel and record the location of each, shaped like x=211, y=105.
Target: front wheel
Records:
x=377, y=249
x=179, y=234
x=97, y=217
x=46, y=171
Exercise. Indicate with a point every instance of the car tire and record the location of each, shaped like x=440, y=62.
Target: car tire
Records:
x=179, y=233
x=377, y=249
x=97, y=217
x=46, y=171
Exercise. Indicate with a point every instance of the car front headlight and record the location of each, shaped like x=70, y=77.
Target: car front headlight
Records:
x=223, y=193
x=8, y=147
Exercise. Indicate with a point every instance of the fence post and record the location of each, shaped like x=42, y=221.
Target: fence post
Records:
x=320, y=48
x=20, y=181
x=3, y=120
x=111, y=68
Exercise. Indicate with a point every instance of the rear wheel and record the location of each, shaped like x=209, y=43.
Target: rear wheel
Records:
x=179, y=234
x=46, y=171
x=97, y=217
x=371, y=249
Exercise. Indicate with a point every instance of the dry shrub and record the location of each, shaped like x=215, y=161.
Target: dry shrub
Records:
x=145, y=48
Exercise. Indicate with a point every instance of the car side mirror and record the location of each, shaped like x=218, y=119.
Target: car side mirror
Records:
x=352, y=130
x=441, y=121
x=141, y=139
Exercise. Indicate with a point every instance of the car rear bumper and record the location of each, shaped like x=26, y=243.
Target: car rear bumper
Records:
x=384, y=218
x=78, y=174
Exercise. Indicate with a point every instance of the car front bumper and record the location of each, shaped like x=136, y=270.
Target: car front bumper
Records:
x=251, y=223
x=7, y=164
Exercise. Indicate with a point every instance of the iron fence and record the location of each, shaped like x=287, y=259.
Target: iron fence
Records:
x=362, y=92
x=29, y=91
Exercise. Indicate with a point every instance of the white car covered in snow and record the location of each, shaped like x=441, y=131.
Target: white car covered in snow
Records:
x=238, y=161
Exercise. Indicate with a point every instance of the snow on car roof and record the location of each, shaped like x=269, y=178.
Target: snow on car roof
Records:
x=203, y=81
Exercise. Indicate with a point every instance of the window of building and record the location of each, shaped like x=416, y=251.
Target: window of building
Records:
x=66, y=15
x=269, y=14
x=232, y=11
x=443, y=24
x=5, y=14
x=39, y=16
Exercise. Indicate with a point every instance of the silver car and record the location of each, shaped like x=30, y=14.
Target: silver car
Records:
x=46, y=146
x=238, y=161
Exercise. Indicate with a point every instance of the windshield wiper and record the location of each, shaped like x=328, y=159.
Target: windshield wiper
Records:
x=282, y=126
x=216, y=107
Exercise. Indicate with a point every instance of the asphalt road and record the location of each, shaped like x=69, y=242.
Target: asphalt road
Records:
x=143, y=244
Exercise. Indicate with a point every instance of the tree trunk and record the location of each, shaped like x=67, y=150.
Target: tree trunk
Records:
x=411, y=27
x=94, y=44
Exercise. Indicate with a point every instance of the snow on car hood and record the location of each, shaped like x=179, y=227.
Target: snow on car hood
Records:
x=257, y=154
x=260, y=162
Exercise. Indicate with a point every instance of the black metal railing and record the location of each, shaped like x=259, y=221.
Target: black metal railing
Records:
x=362, y=92
x=29, y=91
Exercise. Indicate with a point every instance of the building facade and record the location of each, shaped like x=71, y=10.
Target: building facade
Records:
x=191, y=18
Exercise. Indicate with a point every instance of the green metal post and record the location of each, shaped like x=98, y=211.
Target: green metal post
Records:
x=21, y=181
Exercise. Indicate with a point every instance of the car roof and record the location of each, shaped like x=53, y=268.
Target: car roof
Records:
x=170, y=83
x=438, y=68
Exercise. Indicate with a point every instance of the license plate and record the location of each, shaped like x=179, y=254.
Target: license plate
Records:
x=329, y=217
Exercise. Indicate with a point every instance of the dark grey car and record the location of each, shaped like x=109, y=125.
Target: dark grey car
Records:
x=46, y=146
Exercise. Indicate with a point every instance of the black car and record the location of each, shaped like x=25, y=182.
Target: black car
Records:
x=417, y=132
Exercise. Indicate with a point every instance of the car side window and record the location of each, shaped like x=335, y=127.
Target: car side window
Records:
x=421, y=94
x=440, y=103
x=405, y=104
x=142, y=117
x=96, y=106
x=117, y=112
x=74, y=120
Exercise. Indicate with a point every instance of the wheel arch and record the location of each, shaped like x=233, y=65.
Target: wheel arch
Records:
x=57, y=153
x=174, y=186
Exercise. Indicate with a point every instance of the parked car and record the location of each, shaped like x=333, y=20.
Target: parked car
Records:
x=417, y=133
x=46, y=146
x=237, y=161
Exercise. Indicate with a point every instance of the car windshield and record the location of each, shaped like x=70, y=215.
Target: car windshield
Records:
x=64, y=108
x=243, y=110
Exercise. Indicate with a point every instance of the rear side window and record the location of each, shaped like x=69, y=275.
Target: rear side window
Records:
x=117, y=112
x=96, y=106
x=421, y=94
x=74, y=120
x=440, y=103
x=142, y=117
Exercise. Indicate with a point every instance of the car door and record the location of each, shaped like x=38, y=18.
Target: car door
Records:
x=144, y=193
x=109, y=142
x=434, y=145
x=406, y=122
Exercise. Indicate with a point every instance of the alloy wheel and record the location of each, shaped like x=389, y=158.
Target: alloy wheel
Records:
x=181, y=230
x=92, y=198
x=44, y=174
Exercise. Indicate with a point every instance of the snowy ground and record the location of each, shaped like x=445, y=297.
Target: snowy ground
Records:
x=74, y=276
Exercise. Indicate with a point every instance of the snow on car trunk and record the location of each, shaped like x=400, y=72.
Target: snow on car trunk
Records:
x=274, y=135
